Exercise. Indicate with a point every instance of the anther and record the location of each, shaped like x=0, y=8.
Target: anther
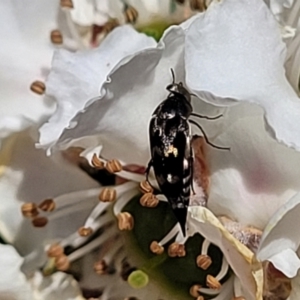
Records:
x=38, y=87
x=108, y=195
x=100, y=267
x=194, y=290
x=199, y=5
x=113, y=166
x=212, y=282
x=62, y=263
x=39, y=222
x=110, y=26
x=85, y=231
x=200, y=298
x=176, y=250
x=149, y=200
x=156, y=248
x=66, y=4
x=29, y=210
x=96, y=162
x=145, y=187
x=47, y=205
x=131, y=14
x=125, y=221
x=56, y=37
x=238, y=298
x=203, y=261
x=55, y=250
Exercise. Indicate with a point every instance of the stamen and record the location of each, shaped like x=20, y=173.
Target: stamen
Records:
x=85, y=231
x=100, y=267
x=56, y=37
x=199, y=5
x=47, y=205
x=131, y=14
x=38, y=87
x=39, y=222
x=194, y=290
x=200, y=298
x=203, y=261
x=176, y=250
x=125, y=221
x=29, y=210
x=108, y=195
x=156, y=248
x=55, y=250
x=212, y=282
x=239, y=298
x=175, y=230
x=113, y=166
x=66, y=4
x=62, y=263
x=110, y=26
x=138, y=279
x=149, y=200
x=145, y=187
x=97, y=163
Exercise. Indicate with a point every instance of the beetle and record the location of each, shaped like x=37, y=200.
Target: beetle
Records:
x=171, y=150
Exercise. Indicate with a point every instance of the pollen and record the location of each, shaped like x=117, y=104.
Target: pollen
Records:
x=138, y=279
x=100, y=267
x=176, y=250
x=55, y=250
x=66, y=4
x=62, y=263
x=47, y=205
x=29, y=210
x=213, y=283
x=171, y=150
x=145, y=187
x=39, y=222
x=97, y=163
x=113, y=166
x=56, y=37
x=149, y=200
x=38, y=87
x=194, y=290
x=85, y=231
x=108, y=195
x=156, y=248
x=203, y=261
x=125, y=221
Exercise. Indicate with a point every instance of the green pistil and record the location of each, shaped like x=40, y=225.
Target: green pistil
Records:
x=155, y=29
x=138, y=279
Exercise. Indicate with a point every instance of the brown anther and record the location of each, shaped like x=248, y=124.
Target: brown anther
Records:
x=97, y=163
x=176, y=250
x=55, y=250
x=194, y=290
x=149, y=200
x=131, y=14
x=238, y=298
x=125, y=221
x=39, y=222
x=29, y=210
x=203, y=261
x=56, y=37
x=66, y=4
x=47, y=205
x=113, y=166
x=108, y=195
x=200, y=298
x=212, y=282
x=199, y=5
x=145, y=187
x=156, y=248
x=62, y=263
x=38, y=87
x=110, y=26
x=100, y=267
x=85, y=231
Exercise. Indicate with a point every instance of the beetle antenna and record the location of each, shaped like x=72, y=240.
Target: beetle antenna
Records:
x=205, y=117
x=173, y=75
x=206, y=138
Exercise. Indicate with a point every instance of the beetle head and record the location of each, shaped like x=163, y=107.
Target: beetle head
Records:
x=178, y=88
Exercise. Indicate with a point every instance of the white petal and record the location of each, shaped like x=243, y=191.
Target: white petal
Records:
x=25, y=55
x=136, y=87
x=234, y=51
x=75, y=78
x=13, y=284
x=257, y=176
x=280, y=240
x=29, y=176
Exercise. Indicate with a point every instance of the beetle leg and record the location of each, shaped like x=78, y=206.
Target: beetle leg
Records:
x=191, y=161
